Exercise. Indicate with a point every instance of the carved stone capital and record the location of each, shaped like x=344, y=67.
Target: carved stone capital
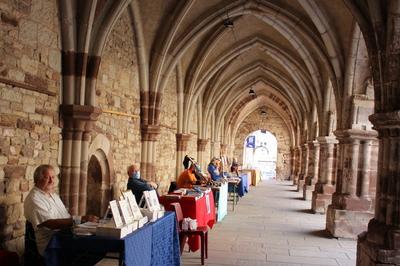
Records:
x=78, y=119
x=182, y=141
x=201, y=144
x=150, y=132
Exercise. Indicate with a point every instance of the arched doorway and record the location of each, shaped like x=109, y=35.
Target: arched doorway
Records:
x=260, y=152
x=99, y=191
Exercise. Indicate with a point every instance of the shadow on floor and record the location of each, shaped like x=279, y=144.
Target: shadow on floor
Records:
x=305, y=211
x=285, y=185
x=299, y=198
x=320, y=233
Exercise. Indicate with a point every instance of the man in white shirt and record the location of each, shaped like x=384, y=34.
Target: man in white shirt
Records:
x=44, y=208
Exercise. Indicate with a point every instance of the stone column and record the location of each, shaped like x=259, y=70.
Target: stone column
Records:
x=349, y=213
x=215, y=149
x=201, y=147
x=304, y=166
x=223, y=149
x=292, y=164
x=325, y=187
x=148, y=157
x=313, y=171
x=181, y=148
x=77, y=125
x=380, y=244
x=297, y=165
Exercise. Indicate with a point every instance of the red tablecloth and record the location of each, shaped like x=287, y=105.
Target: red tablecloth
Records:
x=8, y=258
x=202, y=209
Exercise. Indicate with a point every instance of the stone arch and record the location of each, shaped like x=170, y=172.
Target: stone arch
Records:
x=277, y=127
x=100, y=176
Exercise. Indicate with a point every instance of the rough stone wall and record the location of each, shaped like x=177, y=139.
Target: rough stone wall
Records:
x=166, y=146
x=117, y=90
x=29, y=124
x=274, y=124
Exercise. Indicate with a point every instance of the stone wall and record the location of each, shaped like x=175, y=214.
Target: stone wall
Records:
x=117, y=90
x=29, y=124
x=166, y=146
x=274, y=124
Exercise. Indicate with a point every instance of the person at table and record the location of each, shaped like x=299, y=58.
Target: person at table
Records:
x=45, y=210
x=235, y=167
x=187, y=178
x=136, y=184
x=213, y=169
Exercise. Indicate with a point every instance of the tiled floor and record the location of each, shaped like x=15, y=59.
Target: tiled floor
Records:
x=272, y=225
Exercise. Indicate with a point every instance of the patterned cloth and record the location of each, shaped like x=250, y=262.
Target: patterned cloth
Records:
x=156, y=243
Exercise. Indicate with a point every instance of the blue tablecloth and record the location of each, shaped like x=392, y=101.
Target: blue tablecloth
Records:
x=242, y=187
x=154, y=244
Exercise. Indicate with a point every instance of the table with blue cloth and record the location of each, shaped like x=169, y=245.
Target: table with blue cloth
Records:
x=241, y=188
x=156, y=243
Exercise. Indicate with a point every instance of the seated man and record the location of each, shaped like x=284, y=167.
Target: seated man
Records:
x=214, y=170
x=136, y=184
x=45, y=210
x=187, y=178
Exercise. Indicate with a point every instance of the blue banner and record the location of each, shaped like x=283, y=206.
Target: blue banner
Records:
x=251, y=142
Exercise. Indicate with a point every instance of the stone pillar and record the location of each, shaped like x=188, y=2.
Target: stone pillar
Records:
x=292, y=164
x=77, y=125
x=201, y=147
x=224, y=149
x=297, y=165
x=215, y=149
x=313, y=171
x=325, y=187
x=349, y=213
x=304, y=166
x=148, y=156
x=181, y=148
x=380, y=245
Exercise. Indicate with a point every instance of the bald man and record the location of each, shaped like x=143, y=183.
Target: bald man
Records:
x=136, y=184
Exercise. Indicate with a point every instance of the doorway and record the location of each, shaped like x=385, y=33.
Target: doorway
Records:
x=260, y=152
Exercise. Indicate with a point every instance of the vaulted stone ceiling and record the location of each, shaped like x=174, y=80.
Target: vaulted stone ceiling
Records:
x=298, y=55
x=285, y=50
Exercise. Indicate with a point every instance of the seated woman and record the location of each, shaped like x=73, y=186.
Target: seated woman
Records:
x=187, y=178
x=213, y=169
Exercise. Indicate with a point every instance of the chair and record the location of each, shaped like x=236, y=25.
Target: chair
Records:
x=201, y=231
x=31, y=255
x=172, y=187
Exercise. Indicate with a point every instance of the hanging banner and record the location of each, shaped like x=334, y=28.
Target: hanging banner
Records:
x=251, y=142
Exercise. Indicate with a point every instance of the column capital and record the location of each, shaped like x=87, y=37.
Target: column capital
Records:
x=182, y=141
x=348, y=135
x=223, y=148
x=313, y=143
x=150, y=132
x=78, y=119
x=201, y=144
x=327, y=140
x=387, y=124
x=80, y=112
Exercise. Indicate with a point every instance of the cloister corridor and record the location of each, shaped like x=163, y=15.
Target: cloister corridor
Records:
x=272, y=225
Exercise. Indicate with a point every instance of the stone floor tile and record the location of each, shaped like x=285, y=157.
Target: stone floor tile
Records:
x=251, y=262
x=344, y=262
x=302, y=260
x=273, y=224
x=271, y=263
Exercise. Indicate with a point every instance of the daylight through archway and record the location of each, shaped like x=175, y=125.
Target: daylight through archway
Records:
x=260, y=149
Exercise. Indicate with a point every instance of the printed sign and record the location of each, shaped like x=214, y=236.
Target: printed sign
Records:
x=251, y=142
